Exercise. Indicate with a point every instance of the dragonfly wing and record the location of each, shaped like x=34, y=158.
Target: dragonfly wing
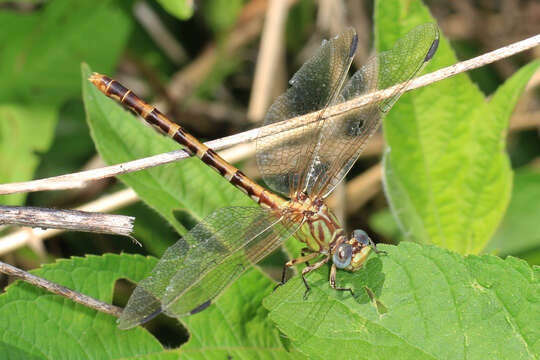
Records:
x=284, y=157
x=344, y=137
x=199, y=266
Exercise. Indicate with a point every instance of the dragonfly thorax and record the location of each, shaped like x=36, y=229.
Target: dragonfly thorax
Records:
x=321, y=232
x=320, y=228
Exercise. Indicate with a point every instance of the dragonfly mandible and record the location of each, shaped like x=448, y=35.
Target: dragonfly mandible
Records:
x=304, y=163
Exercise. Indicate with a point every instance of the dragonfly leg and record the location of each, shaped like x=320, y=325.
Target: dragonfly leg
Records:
x=309, y=269
x=374, y=247
x=301, y=259
x=305, y=251
x=333, y=271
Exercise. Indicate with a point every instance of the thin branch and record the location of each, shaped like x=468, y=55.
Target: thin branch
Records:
x=61, y=290
x=106, y=203
x=438, y=75
x=78, y=179
x=75, y=220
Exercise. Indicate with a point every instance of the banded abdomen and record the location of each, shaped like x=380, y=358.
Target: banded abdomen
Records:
x=154, y=117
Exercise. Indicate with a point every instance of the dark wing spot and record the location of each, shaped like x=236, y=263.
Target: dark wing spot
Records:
x=151, y=316
x=432, y=50
x=201, y=307
x=354, y=44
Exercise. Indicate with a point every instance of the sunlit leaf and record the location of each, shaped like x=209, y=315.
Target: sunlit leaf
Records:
x=237, y=325
x=429, y=304
x=447, y=176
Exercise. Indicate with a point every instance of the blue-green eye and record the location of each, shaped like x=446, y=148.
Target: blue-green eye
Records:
x=342, y=256
x=362, y=237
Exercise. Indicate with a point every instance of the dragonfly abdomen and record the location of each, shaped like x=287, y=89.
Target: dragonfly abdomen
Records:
x=158, y=120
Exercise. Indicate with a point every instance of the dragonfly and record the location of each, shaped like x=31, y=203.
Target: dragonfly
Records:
x=301, y=165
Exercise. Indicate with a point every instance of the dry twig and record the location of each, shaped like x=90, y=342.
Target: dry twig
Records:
x=61, y=290
x=75, y=220
x=21, y=237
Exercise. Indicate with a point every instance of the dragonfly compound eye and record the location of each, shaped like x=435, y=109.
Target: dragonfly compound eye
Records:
x=342, y=256
x=362, y=237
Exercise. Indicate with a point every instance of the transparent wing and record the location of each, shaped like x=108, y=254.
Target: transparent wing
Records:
x=199, y=266
x=343, y=138
x=284, y=158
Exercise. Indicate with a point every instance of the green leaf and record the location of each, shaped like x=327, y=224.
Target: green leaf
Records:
x=518, y=232
x=446, y=174
x=37, y=324
x=188, y=186
x=428, y=303
x=182, y=9
x=25, y=132
x=237, y=325
x=41, y=52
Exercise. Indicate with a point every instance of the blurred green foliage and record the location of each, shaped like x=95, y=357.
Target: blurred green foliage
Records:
x=39, y=60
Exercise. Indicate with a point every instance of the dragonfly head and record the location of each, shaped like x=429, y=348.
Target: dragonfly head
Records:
x=352, y=254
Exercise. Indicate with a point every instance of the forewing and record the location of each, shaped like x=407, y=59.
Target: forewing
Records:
x=344, y=137
x=199, y=266
x=284, y=157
